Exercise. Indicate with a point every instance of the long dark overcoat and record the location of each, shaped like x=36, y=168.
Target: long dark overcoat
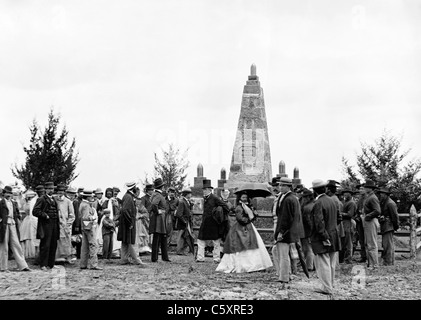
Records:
x=389, y=215
x=4, y=213
x=41, y=207
x=209, y=228
x=127, y=221
x=289, y=223
x=325, y=225
x=159, y=209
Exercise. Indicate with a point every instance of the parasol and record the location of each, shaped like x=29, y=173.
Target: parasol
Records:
x=254, y=189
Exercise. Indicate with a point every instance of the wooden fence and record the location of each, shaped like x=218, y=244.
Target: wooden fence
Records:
x=413, y=233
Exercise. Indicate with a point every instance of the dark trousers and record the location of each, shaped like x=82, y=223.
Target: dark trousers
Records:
x=48, y=244
x=107, y=246
x=361, y=240
x=388, y=253
x=78, y=247
x=159, y=239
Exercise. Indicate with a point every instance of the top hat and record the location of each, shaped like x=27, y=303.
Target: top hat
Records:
x=39, y=188
x=207, y=184
x=275, y=181
x=385, y=190
x=130, y=185
x=61, y=187
x=369, y=184
x=49, y=185
x=318, y=183
x=149, y=187
x=87, y=193
x=158, y=183
x=98, y=190
x=284, y=181
x=8, y=189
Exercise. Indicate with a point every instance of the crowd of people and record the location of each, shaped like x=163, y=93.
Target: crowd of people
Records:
x=61, y=224
x=327, y=224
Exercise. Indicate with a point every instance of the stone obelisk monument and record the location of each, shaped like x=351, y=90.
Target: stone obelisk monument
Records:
x=251, y=160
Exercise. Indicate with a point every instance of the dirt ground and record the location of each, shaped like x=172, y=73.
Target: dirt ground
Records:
x=184, y=279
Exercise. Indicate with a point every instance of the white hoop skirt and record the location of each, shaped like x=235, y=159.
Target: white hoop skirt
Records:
x=248, y=260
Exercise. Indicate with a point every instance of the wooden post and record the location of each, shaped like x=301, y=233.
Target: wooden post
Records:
x=413, y=232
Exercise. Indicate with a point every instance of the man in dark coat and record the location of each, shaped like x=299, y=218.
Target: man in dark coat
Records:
x=157, y=225
x=76, y=227
x=348, y=214
x=289, y=228
x=389, y=223
x=48, y=229
x=170, y=216
x=306, y=208
x=359, y=223
x=127, y=226
x=211, y=227
x=331, y=191
x=9, y=232
x=371, y=211
x=184, y=219
x=324, y=236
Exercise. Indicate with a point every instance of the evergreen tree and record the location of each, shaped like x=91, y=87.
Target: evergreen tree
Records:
x=171, y=167
x=49, y=156
x=382, y=162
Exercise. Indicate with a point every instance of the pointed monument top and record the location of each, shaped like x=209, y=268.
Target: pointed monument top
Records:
x=223, y=174
x=296, y=173
x=253, y=70
x=199, y=170
x=281, y=167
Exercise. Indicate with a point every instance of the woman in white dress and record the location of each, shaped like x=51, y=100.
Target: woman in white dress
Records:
x=244, y=250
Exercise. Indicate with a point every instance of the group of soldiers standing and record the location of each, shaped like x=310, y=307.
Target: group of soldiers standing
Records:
x=328, y=224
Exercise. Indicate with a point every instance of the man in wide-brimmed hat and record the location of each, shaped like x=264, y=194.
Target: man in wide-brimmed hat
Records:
x=172, y=207
x=184, y=220
x=324, y=238
x=127, y=226
x=67, y=217
x=288, y=230
x=359, y=223
x=348, y=214
x=76, y=227
x=71, y=194
x=48, y=229
x=389, y=223
x=331, y=191
x=157, y=225
x=9, y=233
x=98, y=201
x=370, y=214
x=210, y=229
x=88, y=216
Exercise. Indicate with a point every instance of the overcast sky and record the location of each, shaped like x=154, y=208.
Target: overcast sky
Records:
x=128, y=77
